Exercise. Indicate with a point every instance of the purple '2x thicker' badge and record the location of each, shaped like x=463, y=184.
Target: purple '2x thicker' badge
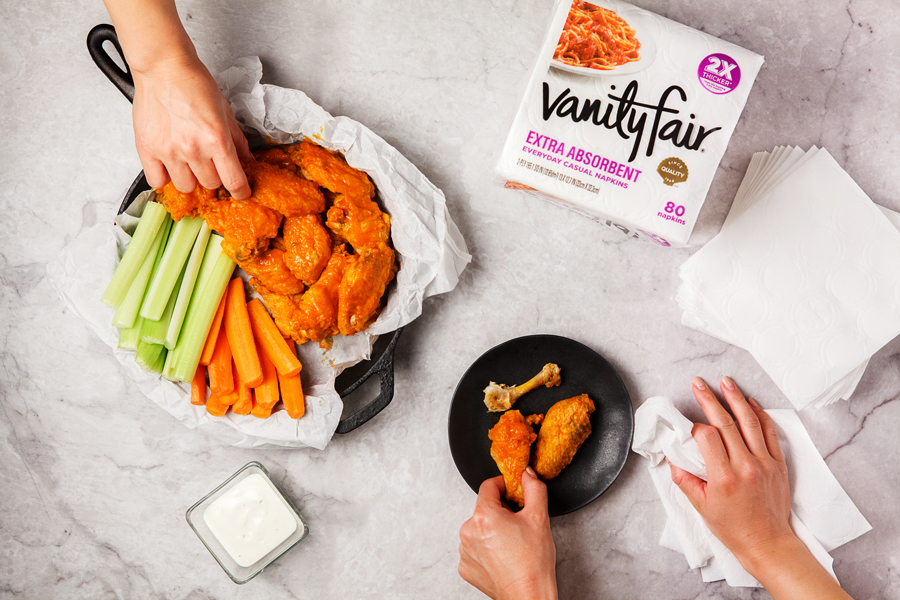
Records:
x=719, y=73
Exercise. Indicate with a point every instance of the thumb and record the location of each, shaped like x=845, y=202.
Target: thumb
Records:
x=535, y=492
x=692, y=486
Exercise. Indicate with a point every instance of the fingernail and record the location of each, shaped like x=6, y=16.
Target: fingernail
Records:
x=727, y=382
x=530, y=472
x=699, y=384
x=753, y=402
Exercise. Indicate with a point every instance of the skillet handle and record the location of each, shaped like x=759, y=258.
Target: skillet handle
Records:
x=385, y=370
x=121, y=79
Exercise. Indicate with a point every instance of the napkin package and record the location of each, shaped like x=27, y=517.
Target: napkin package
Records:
x=633, y=145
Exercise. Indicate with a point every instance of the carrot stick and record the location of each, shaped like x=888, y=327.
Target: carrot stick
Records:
x=232, y=397
x=292, y=391
x=198, y=387
x=266, y=393
x=259, y=411
x=240, y=334
x=210, y=346
x=215, y=406
x=270, y=340
x=292, y=395
x=244, y=403
x=221, y=378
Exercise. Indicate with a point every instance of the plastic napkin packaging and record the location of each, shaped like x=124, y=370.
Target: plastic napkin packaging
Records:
x=822, y=514
x=632, y=145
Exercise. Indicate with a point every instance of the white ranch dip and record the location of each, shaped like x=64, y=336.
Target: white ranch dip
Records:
x=250, y=520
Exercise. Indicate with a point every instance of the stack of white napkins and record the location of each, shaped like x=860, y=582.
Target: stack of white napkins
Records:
x=805, y=275
x=822, y=515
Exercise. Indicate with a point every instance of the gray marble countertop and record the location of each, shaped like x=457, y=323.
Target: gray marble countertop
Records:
x=95, y=478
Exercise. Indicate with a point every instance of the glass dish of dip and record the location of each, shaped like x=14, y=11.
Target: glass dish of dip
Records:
x=247, y=523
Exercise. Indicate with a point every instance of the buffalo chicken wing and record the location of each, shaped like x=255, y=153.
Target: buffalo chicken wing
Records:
x=184, y=205
x=566, y=426
x=269, y=268
x=282, y=190
x=361, y=289
x=246, y=226
x=511, y=440
x=314, y=314
x=499, y=397
x=307, y=247
x=330, y=170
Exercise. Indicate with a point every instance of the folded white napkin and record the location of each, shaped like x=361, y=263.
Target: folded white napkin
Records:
x=804, y=275
x=822, y=515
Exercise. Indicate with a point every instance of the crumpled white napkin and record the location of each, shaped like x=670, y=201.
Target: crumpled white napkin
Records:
x=822, y=514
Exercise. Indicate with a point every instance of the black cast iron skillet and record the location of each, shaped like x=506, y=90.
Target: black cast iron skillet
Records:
x=382, y=361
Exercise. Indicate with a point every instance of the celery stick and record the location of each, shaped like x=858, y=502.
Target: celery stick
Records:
x=130, y=337
x=154, y=332
x=210, y=256
x=181, y=240
x=151, y=357
x=200, y=314
x=157, y=367
x=127, y=311
x=186, y=287
x=207, y=267
x=167, y=366
x=151, y=222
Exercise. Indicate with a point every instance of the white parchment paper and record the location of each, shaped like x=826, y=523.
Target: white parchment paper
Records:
x=430, y=249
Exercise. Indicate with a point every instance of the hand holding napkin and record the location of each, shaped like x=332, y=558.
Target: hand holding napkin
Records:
x=822, y=515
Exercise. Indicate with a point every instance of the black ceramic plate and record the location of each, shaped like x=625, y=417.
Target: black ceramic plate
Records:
x=599, y=460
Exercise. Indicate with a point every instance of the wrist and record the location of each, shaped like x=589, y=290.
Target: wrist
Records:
x=531, y=588
x=151, y=35
x=175, y=55
x=773, y=555
x=787, y=569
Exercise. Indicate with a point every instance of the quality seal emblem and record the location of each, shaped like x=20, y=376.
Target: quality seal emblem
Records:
x=672, y=170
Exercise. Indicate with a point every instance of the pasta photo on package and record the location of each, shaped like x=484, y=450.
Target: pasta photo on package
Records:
x=626, y=117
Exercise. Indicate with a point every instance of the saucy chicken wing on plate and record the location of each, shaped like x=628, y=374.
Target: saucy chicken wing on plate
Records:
x=566, y=425
x=511, y=440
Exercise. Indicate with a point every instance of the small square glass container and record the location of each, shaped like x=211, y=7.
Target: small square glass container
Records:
x=236, y=572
